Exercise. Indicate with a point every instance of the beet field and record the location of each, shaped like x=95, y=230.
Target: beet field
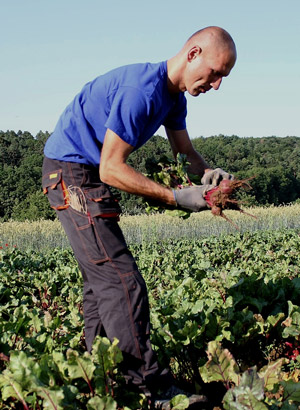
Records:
x=225, y=313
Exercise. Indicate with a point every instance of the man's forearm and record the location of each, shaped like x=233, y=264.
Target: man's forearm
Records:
x=129, y=180
x=116, y=172
x=180, y=142
x=198, y=164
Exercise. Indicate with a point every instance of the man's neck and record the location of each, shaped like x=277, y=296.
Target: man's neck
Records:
x=174, y=71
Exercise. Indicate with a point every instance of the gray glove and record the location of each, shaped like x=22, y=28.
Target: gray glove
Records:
x=192, y=197
x=215, y=176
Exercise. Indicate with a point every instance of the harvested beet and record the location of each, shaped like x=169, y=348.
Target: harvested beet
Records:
x=221, y=197
x=226, y=186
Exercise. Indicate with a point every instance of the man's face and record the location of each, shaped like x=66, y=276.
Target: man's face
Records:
x=205, y=70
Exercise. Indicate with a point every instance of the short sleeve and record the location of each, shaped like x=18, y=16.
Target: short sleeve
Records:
x=175, y=120
x=129, y=113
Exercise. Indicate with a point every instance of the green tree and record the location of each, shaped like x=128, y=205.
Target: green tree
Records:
x=274, y=161
x=35, y=206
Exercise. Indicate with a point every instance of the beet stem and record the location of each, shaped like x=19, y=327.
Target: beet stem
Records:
x=229, y=220
x=247, y=213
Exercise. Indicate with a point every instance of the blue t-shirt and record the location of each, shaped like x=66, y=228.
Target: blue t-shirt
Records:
x=133, y=101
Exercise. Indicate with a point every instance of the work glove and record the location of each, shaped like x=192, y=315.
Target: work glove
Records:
x=215, y=176
x=192, y=197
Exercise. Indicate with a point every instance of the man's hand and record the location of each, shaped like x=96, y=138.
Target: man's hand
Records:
x=192, y=197
x=215, y=176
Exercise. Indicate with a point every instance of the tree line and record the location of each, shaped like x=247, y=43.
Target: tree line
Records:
x=273, y=161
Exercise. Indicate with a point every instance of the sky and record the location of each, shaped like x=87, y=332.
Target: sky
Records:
x=50, y=48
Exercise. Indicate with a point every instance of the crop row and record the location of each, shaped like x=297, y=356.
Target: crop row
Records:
x=225, y=317
x=45, y=234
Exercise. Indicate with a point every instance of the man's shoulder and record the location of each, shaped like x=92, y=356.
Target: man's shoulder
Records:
x=140, y=68
x=138, y=75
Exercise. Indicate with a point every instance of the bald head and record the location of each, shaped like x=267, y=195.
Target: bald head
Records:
x=212, y=32
x=212, y=37
x=206, y=57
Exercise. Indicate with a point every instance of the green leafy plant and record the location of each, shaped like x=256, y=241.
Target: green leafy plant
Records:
x=170, y=173
x=235, y=296
x=174, y=174
x=250, y=389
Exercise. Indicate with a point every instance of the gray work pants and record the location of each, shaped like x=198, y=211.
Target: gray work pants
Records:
x=115, y=300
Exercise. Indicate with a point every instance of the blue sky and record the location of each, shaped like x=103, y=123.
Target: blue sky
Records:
x=50, y=49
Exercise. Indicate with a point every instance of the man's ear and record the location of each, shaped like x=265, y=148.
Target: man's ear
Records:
x=194, y=52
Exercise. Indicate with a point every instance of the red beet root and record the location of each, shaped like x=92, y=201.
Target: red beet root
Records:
x=226, y=186
x=220, y=197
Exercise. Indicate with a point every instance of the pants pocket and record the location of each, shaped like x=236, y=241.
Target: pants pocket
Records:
x=54, y=187
x=101, y=202
x=97, y=207
x=90, y=240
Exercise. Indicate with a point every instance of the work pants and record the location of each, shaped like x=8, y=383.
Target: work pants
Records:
x=115, y=301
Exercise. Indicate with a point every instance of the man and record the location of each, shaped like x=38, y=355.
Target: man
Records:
x=111, y=117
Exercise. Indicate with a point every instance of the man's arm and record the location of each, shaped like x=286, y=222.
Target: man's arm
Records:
x=180, y=143
x=116, y=172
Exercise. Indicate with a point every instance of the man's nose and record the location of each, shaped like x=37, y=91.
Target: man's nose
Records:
x=216, y=84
